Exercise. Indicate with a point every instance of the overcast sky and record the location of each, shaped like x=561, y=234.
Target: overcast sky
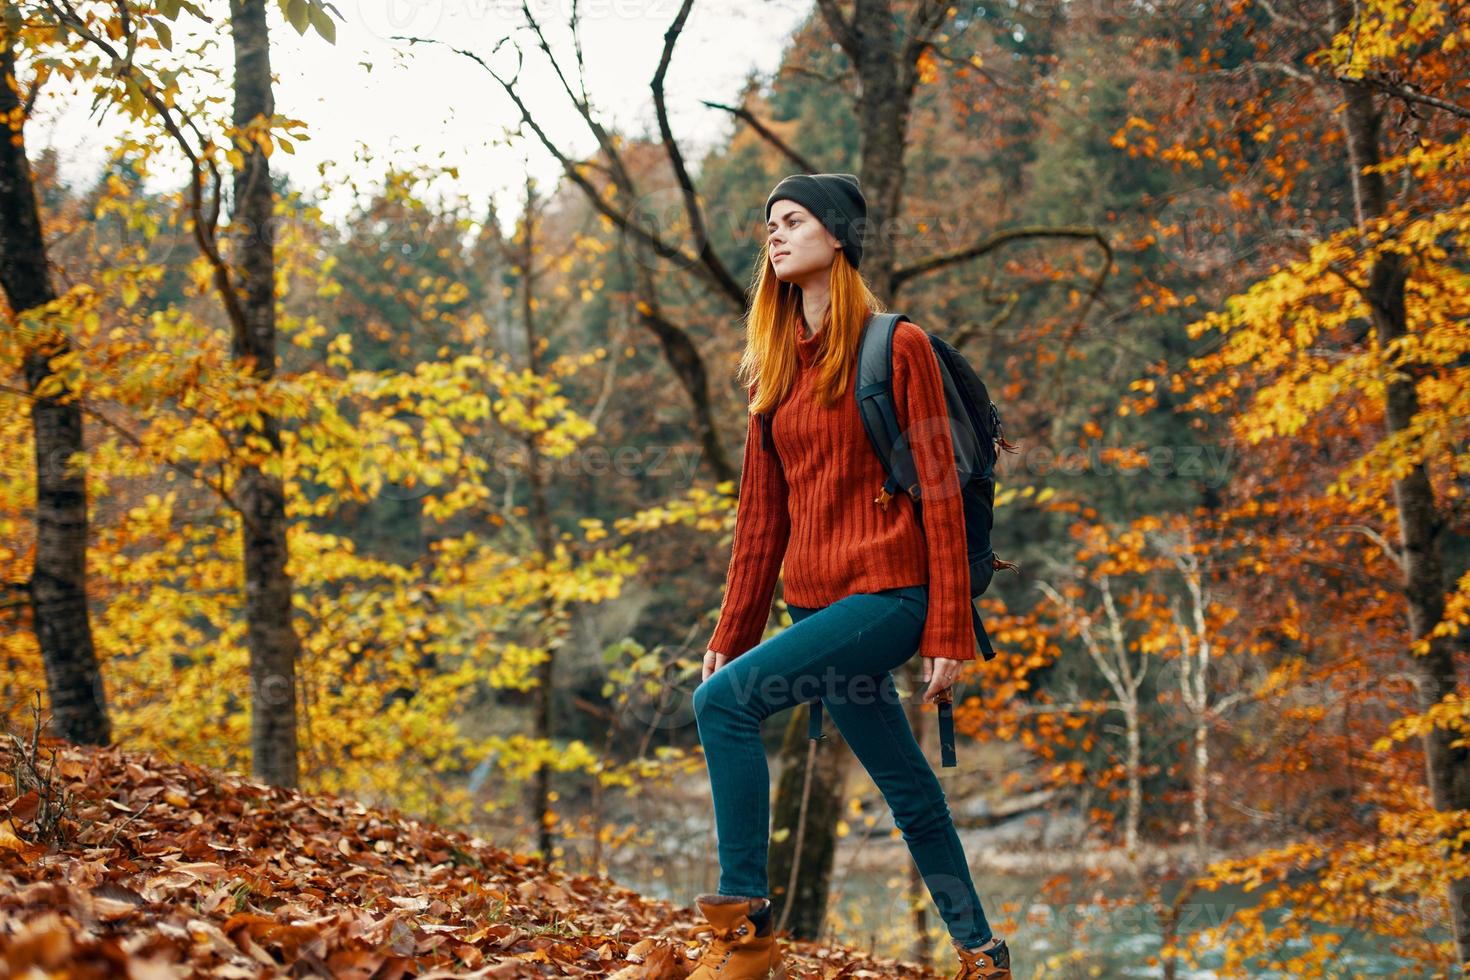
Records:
x=430, y=104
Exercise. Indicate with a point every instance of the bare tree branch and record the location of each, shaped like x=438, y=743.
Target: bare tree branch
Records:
x=1393, y=554
x=707, y=255
x=573, y=170
x=616, y=168
x=766, y=134
x=995, y=240
x=683, y=357
x=1405, y=93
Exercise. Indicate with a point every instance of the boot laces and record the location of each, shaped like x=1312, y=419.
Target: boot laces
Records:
x=720, y=948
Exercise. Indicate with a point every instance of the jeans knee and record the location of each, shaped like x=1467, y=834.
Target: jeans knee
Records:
x=920, y=822
x=715, y=693
x=701, y=698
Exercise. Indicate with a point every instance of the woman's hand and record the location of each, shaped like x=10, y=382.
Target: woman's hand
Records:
x=943, y=672
x=712, y=662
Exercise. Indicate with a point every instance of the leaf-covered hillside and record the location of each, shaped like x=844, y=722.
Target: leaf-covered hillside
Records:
x=115, y=863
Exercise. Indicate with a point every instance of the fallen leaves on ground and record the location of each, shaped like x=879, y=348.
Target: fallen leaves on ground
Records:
x=169, y=870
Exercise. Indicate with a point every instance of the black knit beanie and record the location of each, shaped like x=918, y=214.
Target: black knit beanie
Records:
x=835, y=200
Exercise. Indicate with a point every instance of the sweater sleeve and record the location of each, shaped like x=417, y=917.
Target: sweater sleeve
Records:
x=918, y=390
x=762, y=530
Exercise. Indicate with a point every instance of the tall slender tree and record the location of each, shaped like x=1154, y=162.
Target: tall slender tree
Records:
x=274, y=645
x=1420, y=556
x=58, y=584
x=542, y=525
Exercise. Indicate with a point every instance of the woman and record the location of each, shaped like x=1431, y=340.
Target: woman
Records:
x=867, y=584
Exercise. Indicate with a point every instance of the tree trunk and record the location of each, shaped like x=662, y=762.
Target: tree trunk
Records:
x=1131, y=713
x=1168, y=916
x=1447, y=766
x=919, y=896
x=58, y=585
x=540, y=797
x=274, y=646
x=823, y=798
x=1201, y=788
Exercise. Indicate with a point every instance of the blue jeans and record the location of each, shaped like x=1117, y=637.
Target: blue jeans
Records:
x=842, y=653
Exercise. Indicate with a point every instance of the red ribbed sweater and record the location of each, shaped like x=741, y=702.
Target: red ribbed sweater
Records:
x=820, y=517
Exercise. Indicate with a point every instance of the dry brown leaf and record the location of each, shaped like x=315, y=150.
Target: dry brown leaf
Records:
x=10, y=842
x=24, y=807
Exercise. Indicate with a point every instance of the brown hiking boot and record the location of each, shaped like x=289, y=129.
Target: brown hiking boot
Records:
x=983, y=964
x=738, y=950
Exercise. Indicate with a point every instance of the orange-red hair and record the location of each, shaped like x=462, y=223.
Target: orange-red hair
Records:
x=772, y=324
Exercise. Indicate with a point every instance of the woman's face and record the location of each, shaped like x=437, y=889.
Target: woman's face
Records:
x=797, y=242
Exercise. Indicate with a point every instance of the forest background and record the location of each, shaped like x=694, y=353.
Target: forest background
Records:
x=430, y=505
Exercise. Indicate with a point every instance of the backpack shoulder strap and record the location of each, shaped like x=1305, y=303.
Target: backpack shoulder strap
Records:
x=876, y=408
